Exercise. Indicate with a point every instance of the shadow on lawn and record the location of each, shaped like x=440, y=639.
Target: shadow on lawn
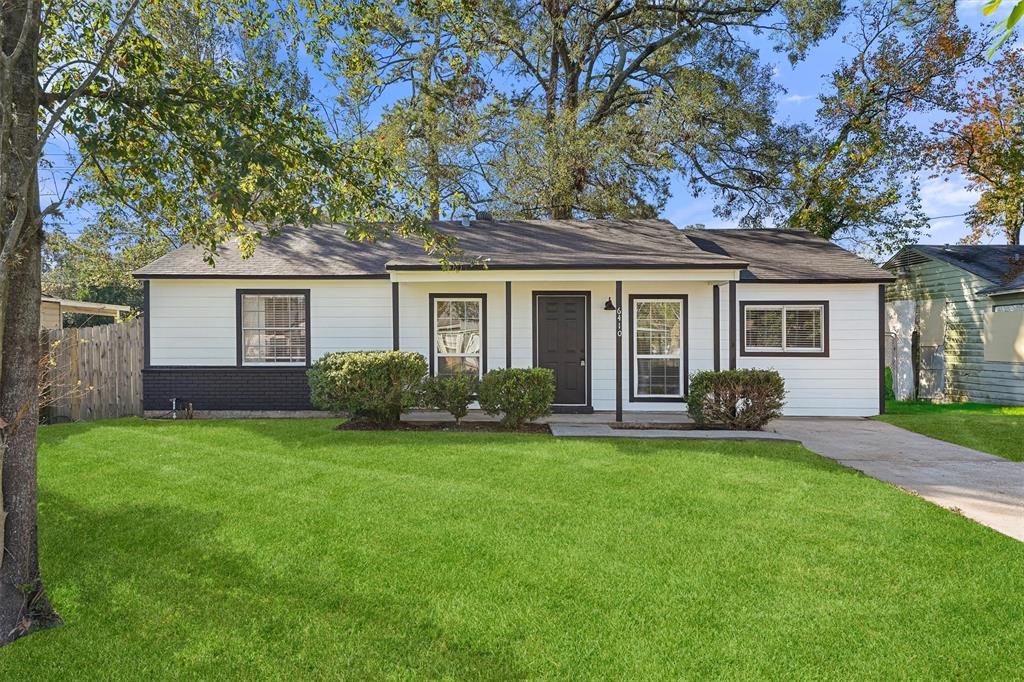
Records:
x=162, y=574
x=321, y=433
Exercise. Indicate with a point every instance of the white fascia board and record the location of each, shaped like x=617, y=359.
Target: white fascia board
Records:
x=595, y=275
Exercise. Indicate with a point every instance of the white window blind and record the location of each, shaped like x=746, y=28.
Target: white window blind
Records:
x=273, y=329
x=797, y=328
x=457, y=336
x=657, y=343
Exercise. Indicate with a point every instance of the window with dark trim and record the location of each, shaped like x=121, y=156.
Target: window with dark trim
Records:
x=458, y=331
x=273, y=327
x=774, y=328
x=658, y=367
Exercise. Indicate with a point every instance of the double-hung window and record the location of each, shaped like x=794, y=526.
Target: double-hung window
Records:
x=274, y=327
x=659, y=331
x=798, y=328
x=458, y=335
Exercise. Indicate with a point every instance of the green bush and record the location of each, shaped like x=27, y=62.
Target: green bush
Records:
x=744, y=399
x=518, y=395
x=452, y=394
x=378, y=386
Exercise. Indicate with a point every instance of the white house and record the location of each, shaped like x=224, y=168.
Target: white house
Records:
x=622, y=310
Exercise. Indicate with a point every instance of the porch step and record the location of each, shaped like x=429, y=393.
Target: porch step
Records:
x=564, y=430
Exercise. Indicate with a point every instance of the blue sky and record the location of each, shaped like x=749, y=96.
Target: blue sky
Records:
x=798, y=102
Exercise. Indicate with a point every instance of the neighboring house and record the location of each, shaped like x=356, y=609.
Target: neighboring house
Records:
x=51, y=311
x=622, y=311
x=956, y=316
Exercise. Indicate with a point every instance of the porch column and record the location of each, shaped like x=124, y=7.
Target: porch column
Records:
x=618, y=350
x=394, y=316
x=716, y=335
x=732, y=325
x=508, y=324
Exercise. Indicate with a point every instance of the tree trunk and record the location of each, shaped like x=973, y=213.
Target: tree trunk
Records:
x=433, y=178
x=1013, y=227
x=24, y=606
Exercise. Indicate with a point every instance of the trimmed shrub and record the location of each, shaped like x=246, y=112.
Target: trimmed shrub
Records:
x=745, y=399
x=518, y=395
x=452, y=394
x=376, y=385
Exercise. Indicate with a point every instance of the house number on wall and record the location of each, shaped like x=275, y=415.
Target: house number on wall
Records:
x=618, y=321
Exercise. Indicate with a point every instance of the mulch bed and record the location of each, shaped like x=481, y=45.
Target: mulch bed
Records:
x=467, y=427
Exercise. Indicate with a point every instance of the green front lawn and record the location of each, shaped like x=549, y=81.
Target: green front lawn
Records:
x=989, y=428
x=287, y=550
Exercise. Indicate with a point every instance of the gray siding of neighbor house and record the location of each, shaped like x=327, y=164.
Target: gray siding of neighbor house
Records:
x=967, y=374
x=1010, y=299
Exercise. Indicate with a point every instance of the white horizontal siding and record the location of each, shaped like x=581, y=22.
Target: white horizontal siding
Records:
x=846, y=382
x=193, y=322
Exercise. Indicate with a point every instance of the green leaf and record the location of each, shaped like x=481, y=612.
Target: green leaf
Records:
x=990, y=7
x=1015, y=15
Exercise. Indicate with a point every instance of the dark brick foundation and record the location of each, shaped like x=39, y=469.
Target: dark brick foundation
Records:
x=228, y=388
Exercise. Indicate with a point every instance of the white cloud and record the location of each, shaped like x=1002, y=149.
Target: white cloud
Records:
x=942, y=197
x=797, y=98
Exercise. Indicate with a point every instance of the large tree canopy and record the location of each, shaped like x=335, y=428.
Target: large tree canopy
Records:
x=852, y=175
x=591, y=108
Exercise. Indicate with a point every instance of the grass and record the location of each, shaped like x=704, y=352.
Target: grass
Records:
x=990, y=428
x=272, y=550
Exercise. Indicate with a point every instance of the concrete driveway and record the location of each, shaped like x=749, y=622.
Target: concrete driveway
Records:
x=982, y=487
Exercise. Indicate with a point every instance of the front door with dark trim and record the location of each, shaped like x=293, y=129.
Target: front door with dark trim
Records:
x=561, y=343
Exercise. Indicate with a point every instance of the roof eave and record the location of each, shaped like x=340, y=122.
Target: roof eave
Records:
x=432, y=267
x=999, y=291
x=881, y=279
x=184, y=275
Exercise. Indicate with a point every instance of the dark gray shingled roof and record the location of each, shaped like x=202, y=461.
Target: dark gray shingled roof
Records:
x=1001, y=264
x=324, y=251
x=788, y=255
x=552, y=244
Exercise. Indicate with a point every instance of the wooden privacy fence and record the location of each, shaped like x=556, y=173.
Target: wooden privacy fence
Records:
x=92, y=372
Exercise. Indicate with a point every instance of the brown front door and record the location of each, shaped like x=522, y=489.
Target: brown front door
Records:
x=561, y=331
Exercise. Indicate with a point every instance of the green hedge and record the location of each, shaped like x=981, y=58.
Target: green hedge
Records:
x=518, y=395
x=452, y=394
x=379, y=386
x=745, y=399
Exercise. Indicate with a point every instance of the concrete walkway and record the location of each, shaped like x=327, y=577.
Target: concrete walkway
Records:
x=982, y=487
x=572, y=430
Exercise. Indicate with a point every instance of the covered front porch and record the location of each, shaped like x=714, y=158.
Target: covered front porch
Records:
x=621, y=342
